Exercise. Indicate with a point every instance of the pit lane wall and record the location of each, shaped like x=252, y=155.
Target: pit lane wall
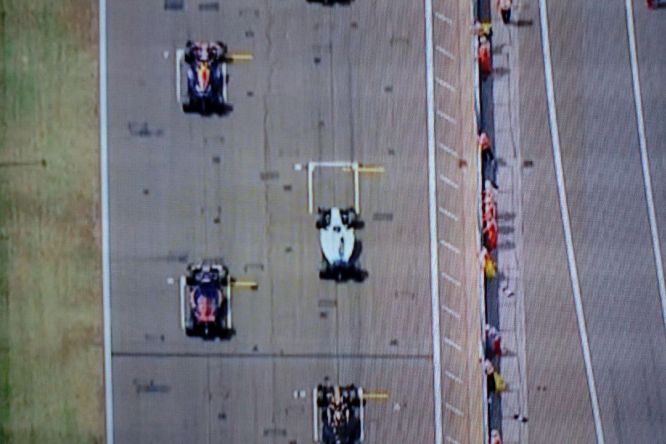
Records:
x=461, y=296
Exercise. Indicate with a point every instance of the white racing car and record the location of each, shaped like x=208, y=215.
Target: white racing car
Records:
x=339, y=247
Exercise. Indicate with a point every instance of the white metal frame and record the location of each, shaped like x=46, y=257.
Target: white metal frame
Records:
x=354, y=166
x=359, y=391
x=315, y=416
x=229, y=325
x=183, y=311
x=180, y=53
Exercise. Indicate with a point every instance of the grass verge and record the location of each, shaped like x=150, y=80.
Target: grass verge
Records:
x=51, y=386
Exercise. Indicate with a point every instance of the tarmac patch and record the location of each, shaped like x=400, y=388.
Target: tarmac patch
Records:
x=209, y=6
x=174, y=5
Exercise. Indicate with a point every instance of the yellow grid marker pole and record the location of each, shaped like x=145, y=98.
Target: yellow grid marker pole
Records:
x=245, y=284
x=376, y=396
x=241, y=56
x=366, y=169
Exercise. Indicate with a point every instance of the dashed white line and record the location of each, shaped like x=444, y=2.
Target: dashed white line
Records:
x=448, y=150
x=453, y=377
x=451, y=343
x=645, y=161
x=449, y=182
x=446, y=117
x=445, y=84
x=451, y=311
x=443, y=18
x=454, y=410
x=445, y=52
x=432, y=214
x=448, y=214
x=451, y=279
x=564, y=211
x=449, y=246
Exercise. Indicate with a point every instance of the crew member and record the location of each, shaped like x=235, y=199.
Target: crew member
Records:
x=504, y=7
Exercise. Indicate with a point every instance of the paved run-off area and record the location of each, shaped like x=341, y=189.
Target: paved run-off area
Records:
x=50, y=316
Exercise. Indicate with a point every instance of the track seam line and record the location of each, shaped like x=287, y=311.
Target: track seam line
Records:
x=564, y=211
x=645, y=161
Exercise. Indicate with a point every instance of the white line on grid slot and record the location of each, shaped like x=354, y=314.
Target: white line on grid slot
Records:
x=450, y=246
x=448, y=181
x=453, y=377
x=448, y=150
x=451, y=311
x=448, y=341
x=448, y=214
x=445, y=52
x=445, y=84
x=443, y=18
x=647, y=179
x=432, y=216
x=446, y=116
x=451, y=440
x=564, y=211
x=456, y=411
x=451, y=279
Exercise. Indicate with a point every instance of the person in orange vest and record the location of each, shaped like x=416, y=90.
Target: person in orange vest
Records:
x=495, y=437
x=504, y=7
x=490, y=235
x=485, y=59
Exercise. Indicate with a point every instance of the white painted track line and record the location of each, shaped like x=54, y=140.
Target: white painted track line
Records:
x=453, y=377
x=432, y=201
x=448, y=214
x=645, y=161
x=564, y=211
x=104, y=179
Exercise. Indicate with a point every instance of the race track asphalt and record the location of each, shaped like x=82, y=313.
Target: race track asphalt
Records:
x=343, y=83
x=609, y=222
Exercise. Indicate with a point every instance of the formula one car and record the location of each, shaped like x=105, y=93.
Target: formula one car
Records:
x=207, y=78
x=206, y=309
x=339, y=247
x=338, y=413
